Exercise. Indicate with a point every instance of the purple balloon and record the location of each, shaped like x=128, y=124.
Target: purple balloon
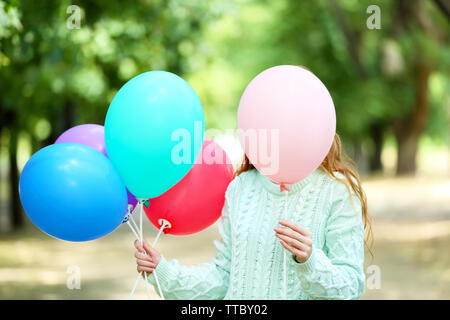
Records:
x=91, y=135
x=131, y=200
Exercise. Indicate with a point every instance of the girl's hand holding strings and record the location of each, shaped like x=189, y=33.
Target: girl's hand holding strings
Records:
x=147, y=257
x=295, y=239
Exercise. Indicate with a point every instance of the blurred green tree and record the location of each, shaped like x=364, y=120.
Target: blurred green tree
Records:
x=54, y=76
x=379, y=78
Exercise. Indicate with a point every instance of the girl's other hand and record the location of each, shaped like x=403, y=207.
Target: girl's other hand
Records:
x=147, y=258
x=295, y=239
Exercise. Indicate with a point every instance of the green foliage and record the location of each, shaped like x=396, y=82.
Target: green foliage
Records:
x=51, y=65
x=218, y=46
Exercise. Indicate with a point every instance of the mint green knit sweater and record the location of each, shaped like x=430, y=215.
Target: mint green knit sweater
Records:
x=248, y=263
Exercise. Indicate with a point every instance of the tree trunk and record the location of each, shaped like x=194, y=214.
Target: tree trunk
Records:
x=15, y=209
x=1, y=137
x=61, y=120
x=407, y=142
x=69, y=115
x=353, y=41
x=358, y=157
x=1, y=184
x=408, y=131
x=35, y=144
x=376, y=133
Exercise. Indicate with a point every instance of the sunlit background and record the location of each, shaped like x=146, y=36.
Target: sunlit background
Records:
x=390, y=87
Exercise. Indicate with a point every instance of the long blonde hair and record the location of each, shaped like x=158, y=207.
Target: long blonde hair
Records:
x=337, y=161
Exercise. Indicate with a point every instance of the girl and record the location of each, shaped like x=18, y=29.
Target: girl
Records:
x=324, y=235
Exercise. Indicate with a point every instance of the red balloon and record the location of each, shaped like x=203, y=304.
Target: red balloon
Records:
x=196, y=201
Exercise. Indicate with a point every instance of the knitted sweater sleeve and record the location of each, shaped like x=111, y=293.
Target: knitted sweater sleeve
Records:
x=204, y=281
x=336, y=270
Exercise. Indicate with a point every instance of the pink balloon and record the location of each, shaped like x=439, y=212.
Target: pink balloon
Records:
x=286, y=123
x=196, y=201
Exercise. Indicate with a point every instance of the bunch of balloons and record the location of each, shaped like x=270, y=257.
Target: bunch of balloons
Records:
x=80, y=188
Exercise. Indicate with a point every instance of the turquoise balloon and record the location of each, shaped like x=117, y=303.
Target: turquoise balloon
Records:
x=154, y=132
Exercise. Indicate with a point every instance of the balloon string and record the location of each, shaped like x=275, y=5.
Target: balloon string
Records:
x=284, y=251
x=165, y=224
x=135, y=286
x=140, y=237
x=141, y=203
x=140, y=274
x=147, y=286
x=132, y=229
x=133, y=226
x=134, y=223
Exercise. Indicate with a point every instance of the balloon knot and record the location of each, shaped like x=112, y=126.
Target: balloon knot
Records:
x=284, y=187
x=164, y=224
x=127, y=217
x=146, y=203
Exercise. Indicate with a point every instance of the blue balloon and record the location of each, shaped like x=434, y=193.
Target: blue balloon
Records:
x=72, y=192
x=154, y=132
